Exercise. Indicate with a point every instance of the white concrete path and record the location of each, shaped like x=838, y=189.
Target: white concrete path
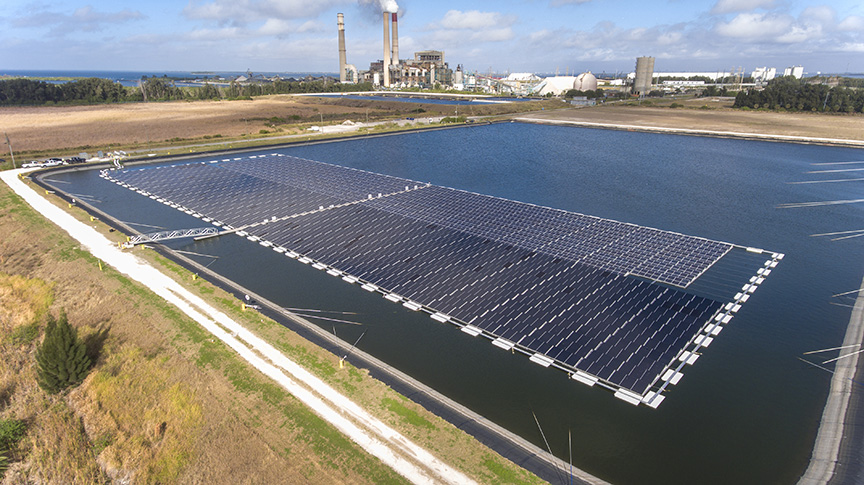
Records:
x=406, y=458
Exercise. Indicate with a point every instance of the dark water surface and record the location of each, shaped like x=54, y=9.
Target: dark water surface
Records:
x=746, y=412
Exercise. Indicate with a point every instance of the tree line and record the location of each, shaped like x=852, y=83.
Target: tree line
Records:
x=15, y=92
x=791, y=94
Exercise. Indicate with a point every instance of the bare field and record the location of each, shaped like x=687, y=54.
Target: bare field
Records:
x=67, y=128
x=817, y=125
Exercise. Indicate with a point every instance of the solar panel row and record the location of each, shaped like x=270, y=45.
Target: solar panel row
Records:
x=549, y=283
x=615, y=246
x=581, y=316
x=263, y=187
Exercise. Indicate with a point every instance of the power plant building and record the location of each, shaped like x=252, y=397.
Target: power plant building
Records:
x=427, y=68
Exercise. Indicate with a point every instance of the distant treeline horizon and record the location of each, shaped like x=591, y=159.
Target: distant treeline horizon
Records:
x=790, y=94
x=28, y=92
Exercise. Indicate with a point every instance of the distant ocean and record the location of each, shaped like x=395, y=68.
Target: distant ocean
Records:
x=130, y=78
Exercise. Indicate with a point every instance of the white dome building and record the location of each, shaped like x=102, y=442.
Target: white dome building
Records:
x=585, y=82
x=559, y=85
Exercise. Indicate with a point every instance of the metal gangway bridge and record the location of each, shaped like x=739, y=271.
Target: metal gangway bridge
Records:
x=154, y=237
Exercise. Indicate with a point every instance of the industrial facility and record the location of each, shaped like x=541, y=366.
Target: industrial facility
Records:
x=425, y=69
x=429, y=69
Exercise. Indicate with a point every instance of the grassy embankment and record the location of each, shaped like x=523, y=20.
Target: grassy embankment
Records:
x=165, y=402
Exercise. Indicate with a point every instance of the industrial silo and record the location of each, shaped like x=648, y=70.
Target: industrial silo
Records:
x=644, y=75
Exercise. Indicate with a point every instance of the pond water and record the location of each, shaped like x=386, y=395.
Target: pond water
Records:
x=746, y=412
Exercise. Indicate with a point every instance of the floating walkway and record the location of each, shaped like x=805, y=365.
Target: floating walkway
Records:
x=605, y=301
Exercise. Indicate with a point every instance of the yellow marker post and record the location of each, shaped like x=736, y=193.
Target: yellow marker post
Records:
x=92, y=218
x=341, y=363
x=243, y=306
x=194, y=277
x=100, y=264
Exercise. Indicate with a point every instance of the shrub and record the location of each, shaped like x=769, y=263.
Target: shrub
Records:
x=62, y=359
x=676, y=105
x=11, y=432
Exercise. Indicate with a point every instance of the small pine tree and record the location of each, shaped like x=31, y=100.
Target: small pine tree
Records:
x=62, y=358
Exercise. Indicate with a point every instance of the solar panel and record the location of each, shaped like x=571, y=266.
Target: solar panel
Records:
x=598, y=298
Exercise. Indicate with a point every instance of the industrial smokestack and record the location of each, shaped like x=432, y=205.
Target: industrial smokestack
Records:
x=386, y=64
x=395, y=40
x=340, y=21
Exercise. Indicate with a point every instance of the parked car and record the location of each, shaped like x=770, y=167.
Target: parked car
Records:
x=73, y=160
x=53, y=162
x=32, y=164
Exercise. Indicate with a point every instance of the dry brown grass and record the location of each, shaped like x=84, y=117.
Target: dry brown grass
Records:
x=68, y=129
x=719, y=118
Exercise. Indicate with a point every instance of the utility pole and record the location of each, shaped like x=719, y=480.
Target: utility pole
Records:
x=10, y=150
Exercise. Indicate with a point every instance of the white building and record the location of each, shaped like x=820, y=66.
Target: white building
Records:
x=763, y=74
x=559, y=85
x=796, y=71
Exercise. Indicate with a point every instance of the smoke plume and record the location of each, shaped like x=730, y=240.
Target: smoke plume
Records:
x=389, y=6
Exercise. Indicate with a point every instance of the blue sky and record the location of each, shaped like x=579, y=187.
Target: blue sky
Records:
x=504, y=36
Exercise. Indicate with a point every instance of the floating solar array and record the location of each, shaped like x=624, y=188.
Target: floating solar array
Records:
x=602, y=300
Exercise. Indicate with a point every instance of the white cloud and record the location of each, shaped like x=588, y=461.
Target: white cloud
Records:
x=852, y=23
x=852, y=47
x=822, y=15
x=240, y=12
x=280, y=28
x=215, y=35
x=474, y=20
x=83, y=19
x=800, y=33
x=669, y=38
x=732, y=6
x=457, y=27
x=559, y=3
x=755, y=26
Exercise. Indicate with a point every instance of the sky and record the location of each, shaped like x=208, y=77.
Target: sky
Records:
x=543, y=36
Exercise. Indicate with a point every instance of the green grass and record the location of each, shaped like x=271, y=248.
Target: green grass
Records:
x=410, y=416
x=24, y=334
x=11, y=432
x=503, y=474
x=68, y=250
x=13, y=205
x=101, y=442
